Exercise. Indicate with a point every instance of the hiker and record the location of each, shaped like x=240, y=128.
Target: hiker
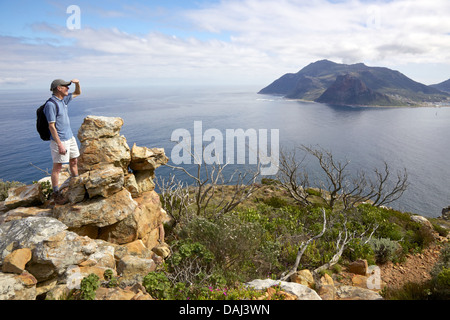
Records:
x=63, y=146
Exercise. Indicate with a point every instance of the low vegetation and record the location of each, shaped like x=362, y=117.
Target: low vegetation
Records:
x=227, y=234
x=224, y=235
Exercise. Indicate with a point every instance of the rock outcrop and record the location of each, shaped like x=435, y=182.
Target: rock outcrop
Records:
x=112, y=219
x=350, y=90
x=446, y=213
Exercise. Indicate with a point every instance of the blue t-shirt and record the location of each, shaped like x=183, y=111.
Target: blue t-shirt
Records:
x=60, y=117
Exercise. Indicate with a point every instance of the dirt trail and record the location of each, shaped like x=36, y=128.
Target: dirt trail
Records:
x=416, y=268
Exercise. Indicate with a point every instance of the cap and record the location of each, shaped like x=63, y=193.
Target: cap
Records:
x=59, y=82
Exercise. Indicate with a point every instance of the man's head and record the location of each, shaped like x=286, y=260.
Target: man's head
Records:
x=60, y=86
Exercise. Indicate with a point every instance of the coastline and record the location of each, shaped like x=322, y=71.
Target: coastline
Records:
x=426, y=105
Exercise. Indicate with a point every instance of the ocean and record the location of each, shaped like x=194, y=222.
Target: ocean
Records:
x=413, y=138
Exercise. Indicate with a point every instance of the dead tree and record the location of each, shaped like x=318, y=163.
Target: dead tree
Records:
x=340, y=185
x=293, y=178
x=212, y=193
x=175, y=197
x=343, y=239
x=335, y=171
x=303, y=246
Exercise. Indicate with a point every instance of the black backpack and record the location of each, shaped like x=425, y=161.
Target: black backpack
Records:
x=42, y=123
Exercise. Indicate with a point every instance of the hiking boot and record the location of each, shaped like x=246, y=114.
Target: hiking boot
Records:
x=59, y=198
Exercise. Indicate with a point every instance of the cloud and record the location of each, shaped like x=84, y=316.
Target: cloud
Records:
x=111, y=55
x=352, y=31
x=249, y=41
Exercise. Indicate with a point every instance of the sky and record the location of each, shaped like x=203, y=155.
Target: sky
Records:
x=221, y=42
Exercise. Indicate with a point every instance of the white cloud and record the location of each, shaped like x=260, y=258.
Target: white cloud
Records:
x=248, y=41
x=298, y=32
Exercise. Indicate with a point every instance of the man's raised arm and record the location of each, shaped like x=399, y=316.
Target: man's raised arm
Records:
x=77, y=91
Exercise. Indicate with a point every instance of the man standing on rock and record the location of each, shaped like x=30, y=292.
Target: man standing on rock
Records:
x=63, y=146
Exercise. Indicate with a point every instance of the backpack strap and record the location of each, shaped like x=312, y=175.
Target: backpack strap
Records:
x=55, y=103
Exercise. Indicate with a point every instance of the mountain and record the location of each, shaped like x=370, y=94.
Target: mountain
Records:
x=350, y=90
x=443, y=86
x=357, y=84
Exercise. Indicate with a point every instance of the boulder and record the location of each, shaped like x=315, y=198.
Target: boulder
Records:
x=144, y=181
x=105, y=182
x=15, y=262
x=134, y=269
x=27, y=233
x=145, y=159
x=135, y=248
x=325, y=287
x=52, y=257
x=99, y=212
x=56, y=292
x=303, y=277
x=422, y=220
x=326, y=280
x=17, y=287
x=146, y=217
x=356, y=293
x=327, y=292
x=95, y=154
x=302, y=292
x=24, y=212
x=96, y=127
x=76, y=191
x=162, y=250
x=131, y=185
x=26, y=196
x=358, y=267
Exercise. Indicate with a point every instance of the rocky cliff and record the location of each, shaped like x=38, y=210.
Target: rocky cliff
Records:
x=112, y=219
x=350, y=90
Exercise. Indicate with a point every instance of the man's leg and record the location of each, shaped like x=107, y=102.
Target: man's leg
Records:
x=74, y=153
x=73, y=165
x=55, y=175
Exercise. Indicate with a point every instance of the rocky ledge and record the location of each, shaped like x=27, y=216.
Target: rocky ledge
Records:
x=112, y=219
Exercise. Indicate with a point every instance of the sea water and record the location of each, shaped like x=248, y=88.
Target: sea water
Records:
x=413, y=138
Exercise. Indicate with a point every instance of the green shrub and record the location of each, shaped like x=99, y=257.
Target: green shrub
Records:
x=384, y=249
x=112, y=281
x=313, y=192
x=269, y=181
x=357, y=249
x=409, y=291
x=191, y=262
x=47, y=189
x=276, y=202
x=5, y=186
x=232, y=241
x=89, y=286
x=441, y=275
x=157, y=285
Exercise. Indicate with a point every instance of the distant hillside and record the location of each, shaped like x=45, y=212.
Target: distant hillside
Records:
x=357, y=84
x=443, y=86
x=350, y=90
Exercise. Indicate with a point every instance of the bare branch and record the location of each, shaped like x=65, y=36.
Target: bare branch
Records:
x=44, y=171
x=292, y=178
x=341, y=186
x=303, y=247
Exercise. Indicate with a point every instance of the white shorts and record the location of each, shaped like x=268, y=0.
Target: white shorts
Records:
x=71, y=147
